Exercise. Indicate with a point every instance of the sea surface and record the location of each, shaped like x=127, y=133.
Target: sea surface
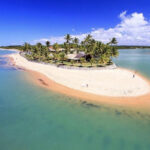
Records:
x=34, y=118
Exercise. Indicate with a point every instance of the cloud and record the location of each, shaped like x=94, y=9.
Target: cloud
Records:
x=52, y=40
x=133, y=29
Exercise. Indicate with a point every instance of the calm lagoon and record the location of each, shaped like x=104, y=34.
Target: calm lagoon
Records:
x=34, y=118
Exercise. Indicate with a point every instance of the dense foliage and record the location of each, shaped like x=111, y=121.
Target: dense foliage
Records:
x=131, y=47
x=19, y=47
x=96, y=52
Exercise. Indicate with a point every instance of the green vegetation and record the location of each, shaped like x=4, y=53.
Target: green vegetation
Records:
x=131, y=47
x=87, y=53
x=19, y=47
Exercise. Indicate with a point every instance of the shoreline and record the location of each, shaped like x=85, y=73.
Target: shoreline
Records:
x=132, y=101
x=14, y=50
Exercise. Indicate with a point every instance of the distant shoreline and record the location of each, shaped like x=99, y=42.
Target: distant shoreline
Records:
x=15, y=50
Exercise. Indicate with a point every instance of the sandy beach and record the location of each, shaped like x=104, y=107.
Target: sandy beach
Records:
x=69, y=82
x=107, y=82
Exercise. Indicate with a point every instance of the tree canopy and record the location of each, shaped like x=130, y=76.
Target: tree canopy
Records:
x=97, y=51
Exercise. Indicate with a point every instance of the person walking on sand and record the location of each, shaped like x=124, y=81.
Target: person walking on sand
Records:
x=133, y=75
x=84, y=85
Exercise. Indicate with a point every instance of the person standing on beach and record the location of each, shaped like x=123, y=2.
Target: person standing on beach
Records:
x=134, y=74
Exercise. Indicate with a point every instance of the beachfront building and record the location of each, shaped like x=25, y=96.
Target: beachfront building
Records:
x=78, y=56
x=51, y=49
x=61, y=49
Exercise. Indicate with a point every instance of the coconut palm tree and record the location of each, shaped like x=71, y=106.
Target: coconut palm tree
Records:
x=55, y=56
x=75, y=44
x=39, y=48
x=56, y=47
x=104, y=59
x=68, y=38
x=61, y=56
x=88, y=38
x=86, y=44
x=76, y=41
x=115, y=52
x=92, y=61
x=39, y=45
x=47, y=43
x=67, y=44
x=99, y=49
x=92, y=47
x=26, y=47
x=113, y=41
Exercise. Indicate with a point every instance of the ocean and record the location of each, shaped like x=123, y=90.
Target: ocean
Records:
x=35, y=118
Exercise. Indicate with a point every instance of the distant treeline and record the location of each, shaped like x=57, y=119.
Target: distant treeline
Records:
x=20, y=47
x=131, y=47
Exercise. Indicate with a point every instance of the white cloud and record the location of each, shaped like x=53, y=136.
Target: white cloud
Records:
x=133, y=29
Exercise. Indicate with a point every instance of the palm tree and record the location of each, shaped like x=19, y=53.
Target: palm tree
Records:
x=67, y=44
x=92, y=47
x=92, y=61
x=75, y=44
x=26, y=47
x=39, y=45
x=61, y=56
x=115, y=52
x=76, y=41
x=48, y=43
x=86, y=44
x=46, y=52
x=68, y=38
x=55, y=56
x=99, y=49
x=40, y=50
x=88, y=38
x=56, y=47
x=104, y=59
x=113, y=41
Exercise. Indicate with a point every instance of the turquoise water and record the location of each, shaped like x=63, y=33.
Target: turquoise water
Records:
x=34, y=118
x=135, y=59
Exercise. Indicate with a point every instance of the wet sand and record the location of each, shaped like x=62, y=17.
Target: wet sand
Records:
x=140, y=102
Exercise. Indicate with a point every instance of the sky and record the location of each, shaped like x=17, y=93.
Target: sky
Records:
x=41, y=20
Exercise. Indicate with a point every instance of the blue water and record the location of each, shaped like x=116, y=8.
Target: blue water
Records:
x=34, y=118
x=135, y=59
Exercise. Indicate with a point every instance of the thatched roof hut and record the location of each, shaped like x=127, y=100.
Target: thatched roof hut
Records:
x=76, y=56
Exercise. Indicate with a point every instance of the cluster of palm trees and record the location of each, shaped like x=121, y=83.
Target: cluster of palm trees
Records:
x=99, y=52
x=37, y=52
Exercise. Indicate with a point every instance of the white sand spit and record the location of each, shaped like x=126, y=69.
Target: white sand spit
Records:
x=108, y=82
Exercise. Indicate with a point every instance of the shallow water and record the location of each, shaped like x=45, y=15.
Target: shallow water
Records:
x=135, y=59
x=34, y=118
